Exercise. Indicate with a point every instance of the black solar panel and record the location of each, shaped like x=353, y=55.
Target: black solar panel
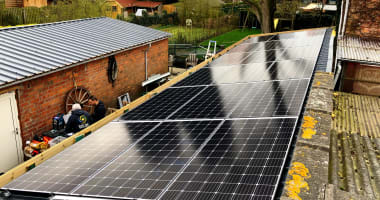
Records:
x=146, y=169
x=222, y=133
x=261, y=46
x=229, y=59
x=279, y=70
x=163, y=106
x=63, y=172
x=242, y=160
x=260, y=99
x=258, y=39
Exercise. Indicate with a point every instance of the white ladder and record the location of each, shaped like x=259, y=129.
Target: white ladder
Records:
x=208, y=53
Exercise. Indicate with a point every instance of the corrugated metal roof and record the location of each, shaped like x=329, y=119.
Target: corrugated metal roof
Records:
x=35, y=50
x=357, y=49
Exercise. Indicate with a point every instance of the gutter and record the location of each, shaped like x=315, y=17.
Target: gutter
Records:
x=78, y=63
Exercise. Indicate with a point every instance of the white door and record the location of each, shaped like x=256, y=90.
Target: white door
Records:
x=10, y=139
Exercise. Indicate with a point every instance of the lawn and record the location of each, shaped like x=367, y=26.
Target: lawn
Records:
x=231, y=37
x=186, y=35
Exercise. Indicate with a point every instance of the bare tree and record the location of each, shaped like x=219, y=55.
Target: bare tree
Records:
x=264, y=11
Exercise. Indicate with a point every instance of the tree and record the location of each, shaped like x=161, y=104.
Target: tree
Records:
x=264, y=11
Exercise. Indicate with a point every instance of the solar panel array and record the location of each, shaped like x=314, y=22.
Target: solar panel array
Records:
x=224, y=132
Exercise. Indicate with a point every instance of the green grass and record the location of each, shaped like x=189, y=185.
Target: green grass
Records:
x=231, y=37
x=164, y=27
x=188, y=35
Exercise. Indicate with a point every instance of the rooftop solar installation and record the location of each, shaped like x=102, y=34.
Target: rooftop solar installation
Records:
x=224, y=132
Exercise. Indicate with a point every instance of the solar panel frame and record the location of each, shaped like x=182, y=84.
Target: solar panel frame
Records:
x=314, y=40
x=158, y=108
x=253, y=72
x=236, y=184
x=166, y=162
x=246, y=100
x=67, y=166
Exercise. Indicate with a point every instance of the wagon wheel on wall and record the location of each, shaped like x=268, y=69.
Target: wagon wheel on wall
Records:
x=78, y=95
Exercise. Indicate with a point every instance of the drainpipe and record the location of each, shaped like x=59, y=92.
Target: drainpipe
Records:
x=345, y=17
x=340, y=19
x=146, y=61
x=337, y=74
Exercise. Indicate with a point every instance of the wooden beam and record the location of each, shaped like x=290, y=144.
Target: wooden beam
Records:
x=6, y=90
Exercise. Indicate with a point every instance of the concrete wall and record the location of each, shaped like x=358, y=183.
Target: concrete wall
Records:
x=41, y=99
x=361, y=79
x=364, y=18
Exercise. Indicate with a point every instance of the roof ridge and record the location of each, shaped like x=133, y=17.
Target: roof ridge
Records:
x=49, y=23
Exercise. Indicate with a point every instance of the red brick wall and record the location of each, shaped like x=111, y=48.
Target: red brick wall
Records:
x=361, y=79
x=41, y=99
x=364, y=18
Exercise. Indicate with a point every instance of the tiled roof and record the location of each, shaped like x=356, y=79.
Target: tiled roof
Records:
x=358, y=49
x=135, y=3
x=32, y=51
x=147, y=4
x=126, y=3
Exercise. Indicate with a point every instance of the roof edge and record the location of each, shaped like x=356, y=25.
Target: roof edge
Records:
x=371, y=63
x=52, y=71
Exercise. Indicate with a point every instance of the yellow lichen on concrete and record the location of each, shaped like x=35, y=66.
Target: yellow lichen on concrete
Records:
x=299, y=173
x=308, y=127
x=308, y=133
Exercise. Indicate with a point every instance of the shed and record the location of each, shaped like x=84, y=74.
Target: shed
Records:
x=358, y=52
x=40, y=64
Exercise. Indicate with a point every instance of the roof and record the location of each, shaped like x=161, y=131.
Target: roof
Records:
x=32, y=51
x=355, y=144
x=135, y=3
x=147, y=4
x=359, y=49
x=126, y=3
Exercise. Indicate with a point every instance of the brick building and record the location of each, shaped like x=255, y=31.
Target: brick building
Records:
x=40, y=64
x=358, y=52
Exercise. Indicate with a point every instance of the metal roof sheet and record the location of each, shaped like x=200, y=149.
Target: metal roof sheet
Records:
x=358, y=49
x=28, y=51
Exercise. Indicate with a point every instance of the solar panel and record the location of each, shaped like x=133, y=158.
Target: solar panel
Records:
x=164, y=105
x=259, y=99
x=242, y=160
x=229, y=59
x=63, y=172
x=146, y=169
x=266, y=71
x=260, y=46
x=258, y=39
x=222, y=133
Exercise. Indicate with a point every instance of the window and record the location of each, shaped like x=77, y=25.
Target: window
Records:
x=114, y=9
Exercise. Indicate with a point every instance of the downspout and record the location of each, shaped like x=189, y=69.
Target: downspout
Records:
x=146, y=61
x=345, y=18
x=340, y=20
x=337, y=73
